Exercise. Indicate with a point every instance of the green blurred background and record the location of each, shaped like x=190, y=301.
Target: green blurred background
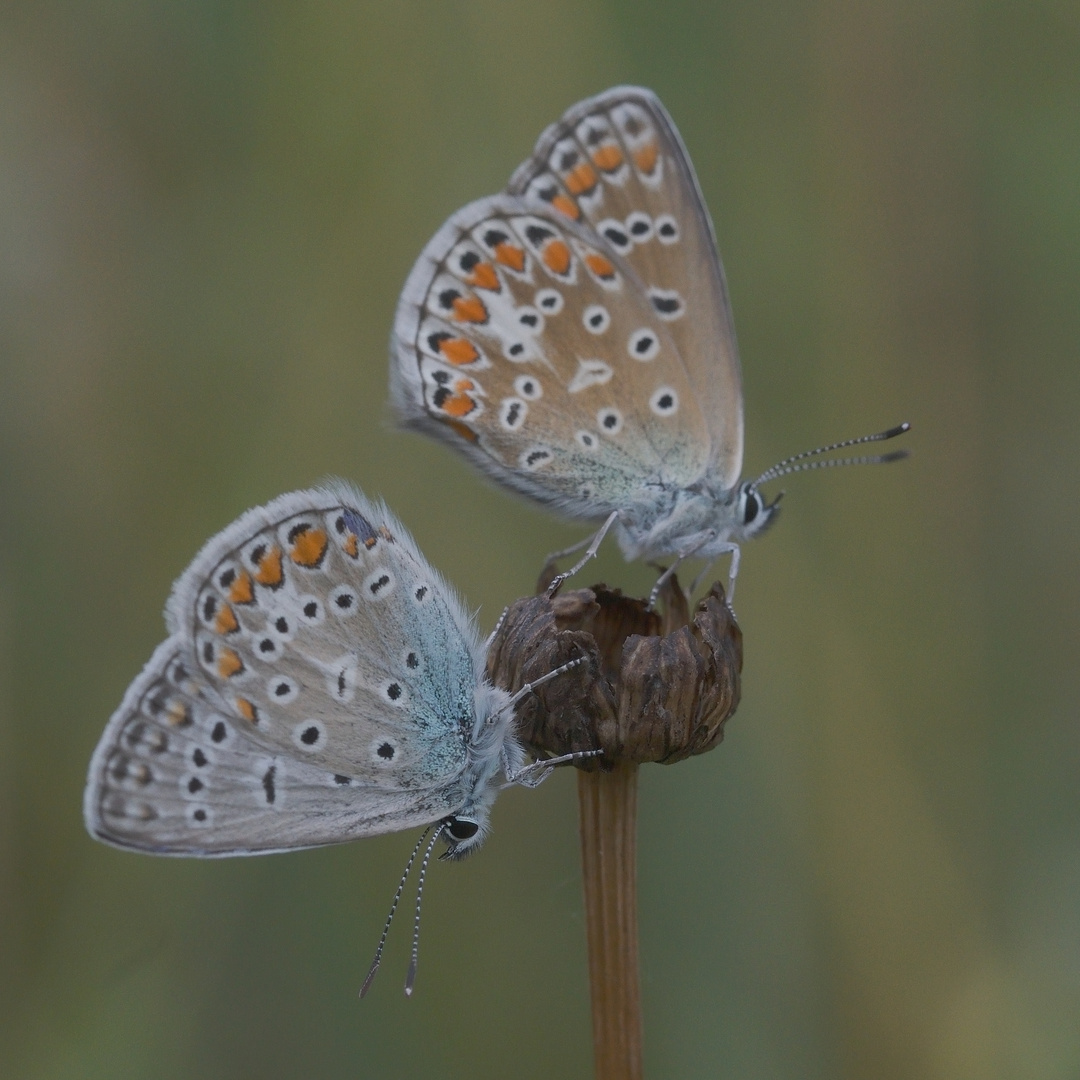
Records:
x=206, y=212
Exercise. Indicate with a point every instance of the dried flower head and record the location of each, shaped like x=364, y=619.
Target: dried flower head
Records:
x=651, y=689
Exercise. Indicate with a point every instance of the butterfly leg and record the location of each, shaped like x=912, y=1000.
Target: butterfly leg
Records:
x=534, y=774
x=732, y=574
x=530, y=686
x=594, y=546
x=498, y=626
x=700, y=578
x=663, y=579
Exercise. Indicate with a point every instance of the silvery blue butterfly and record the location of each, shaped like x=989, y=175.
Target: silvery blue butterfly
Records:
x=572, y=337
x=320, y=682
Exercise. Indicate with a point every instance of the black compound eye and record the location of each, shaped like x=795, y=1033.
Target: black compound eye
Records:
x=462, y=828
x=750, y=511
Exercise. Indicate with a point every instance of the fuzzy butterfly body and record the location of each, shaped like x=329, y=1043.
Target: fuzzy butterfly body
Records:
x=573, y=335
x=320, y=682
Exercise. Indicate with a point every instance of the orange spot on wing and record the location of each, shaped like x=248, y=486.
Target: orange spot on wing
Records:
x=352, y=546
x=484, y=277
x=459, y=403
x=229, y=663
x=309, y=548
x=226, y=623
x=600, y=266
x=470, y=309
x=269, y=572
x=386, y=534
x=565, y=205
x=608, y=158
x=241, y=590
x=247, y=710
x=459, y=350
x=369, y=542
x=556, y=256
x=645, y=158
x=510, y=255
x=178, y=713
x=465, y=432
x=581, y=180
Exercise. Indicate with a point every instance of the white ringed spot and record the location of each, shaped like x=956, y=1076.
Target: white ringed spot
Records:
x=512, y=413
x=644, y=344
x=587, y=440
x=192, y=786
x=378, y=585
x=667, y=229
x=610, y=420
x=343, y=601
x=528, y=387
x=282, y=690
x=342, y=679
x=310, y=610
x=615, y=234
x=549, y=301
x=596, y=319
x=667, y=303
x=536, y=457
x=309, y=736
x=664, y=402
x=220, y=731
x=640, y=227
x=530, y=320
x=267, y=647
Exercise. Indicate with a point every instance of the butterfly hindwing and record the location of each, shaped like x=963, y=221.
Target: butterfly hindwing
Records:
x=531, y=345
x=617, y=164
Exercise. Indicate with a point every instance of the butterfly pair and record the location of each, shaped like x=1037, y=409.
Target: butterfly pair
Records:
x=572, y=336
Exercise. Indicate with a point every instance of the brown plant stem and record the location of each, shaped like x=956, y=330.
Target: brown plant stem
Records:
x=607, y=803
x=652, y=686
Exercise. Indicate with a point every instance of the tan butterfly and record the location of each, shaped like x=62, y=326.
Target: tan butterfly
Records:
x=572, y=337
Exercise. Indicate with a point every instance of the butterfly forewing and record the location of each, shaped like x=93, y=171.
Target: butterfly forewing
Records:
x=307, y=628
x=529, y=342
x=616, y=164
x=176, y=772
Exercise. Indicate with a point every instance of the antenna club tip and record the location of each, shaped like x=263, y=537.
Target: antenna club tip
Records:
x=898, y=430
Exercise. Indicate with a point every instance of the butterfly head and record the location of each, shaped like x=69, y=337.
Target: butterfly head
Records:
x=464, y=833
x=752, y=514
